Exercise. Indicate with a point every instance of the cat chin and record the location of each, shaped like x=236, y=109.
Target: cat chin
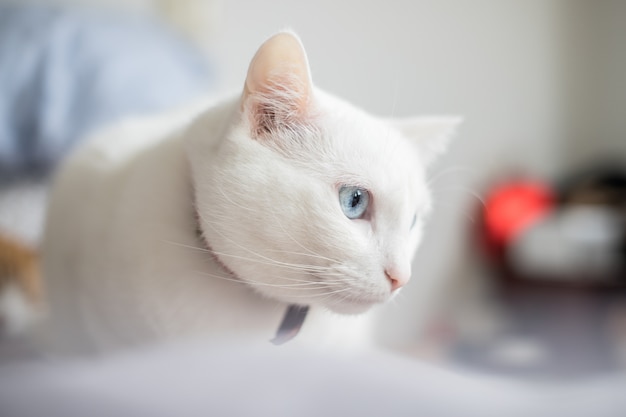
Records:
x=351, y=307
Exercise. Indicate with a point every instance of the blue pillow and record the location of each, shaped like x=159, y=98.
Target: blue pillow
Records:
x=65, y=72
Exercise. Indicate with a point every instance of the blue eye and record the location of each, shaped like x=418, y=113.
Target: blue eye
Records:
x=414, y=221
x=354, y=201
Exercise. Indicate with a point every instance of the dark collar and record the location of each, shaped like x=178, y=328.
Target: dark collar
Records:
x=291, y=324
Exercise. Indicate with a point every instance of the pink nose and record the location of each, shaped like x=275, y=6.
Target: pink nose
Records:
x=396, y=278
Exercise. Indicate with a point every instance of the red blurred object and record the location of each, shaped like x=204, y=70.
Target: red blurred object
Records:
x=512, y=207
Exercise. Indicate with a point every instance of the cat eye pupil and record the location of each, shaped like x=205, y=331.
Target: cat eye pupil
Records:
x=353, y=201
x=356, y=198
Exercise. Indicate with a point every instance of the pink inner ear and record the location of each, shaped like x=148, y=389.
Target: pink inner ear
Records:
x=281, y=106
x=278, y=86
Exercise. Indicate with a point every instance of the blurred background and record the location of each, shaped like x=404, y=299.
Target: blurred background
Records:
x=522, y=266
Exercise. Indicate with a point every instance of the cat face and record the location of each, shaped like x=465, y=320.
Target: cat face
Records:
x=307, y=199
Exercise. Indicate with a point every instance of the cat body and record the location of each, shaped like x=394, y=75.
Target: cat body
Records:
x=157, y=281
x=211, y=223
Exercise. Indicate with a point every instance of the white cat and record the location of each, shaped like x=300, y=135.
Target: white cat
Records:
x=215, y=223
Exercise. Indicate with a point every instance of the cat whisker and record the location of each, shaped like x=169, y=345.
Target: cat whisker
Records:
x=183, y=245
x=341, y=295
x=272, y=262
x=216, y=219
x=324, y=295
x=396, y=300
x=465, y=213
x=312, y=288
x=258, y=255
x=300, y=286
x=313, y=253
x=227, y=198
x=450, y=170
x=471, y=192
x=309, y=269
x=310, y=255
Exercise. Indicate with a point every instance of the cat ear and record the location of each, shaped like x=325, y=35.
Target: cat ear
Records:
x=278, y=85
x=430, y=134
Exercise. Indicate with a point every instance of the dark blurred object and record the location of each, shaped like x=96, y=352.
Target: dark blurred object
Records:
x=604, y=186
x=64, y=72
x=575, y=235
x=557, y=269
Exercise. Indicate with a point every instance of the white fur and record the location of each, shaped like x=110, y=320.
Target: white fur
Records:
x=124, y=264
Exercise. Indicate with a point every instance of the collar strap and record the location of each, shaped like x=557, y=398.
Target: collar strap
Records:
x=291, y=324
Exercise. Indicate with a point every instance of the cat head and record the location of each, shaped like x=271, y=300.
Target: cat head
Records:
x=306, y=198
